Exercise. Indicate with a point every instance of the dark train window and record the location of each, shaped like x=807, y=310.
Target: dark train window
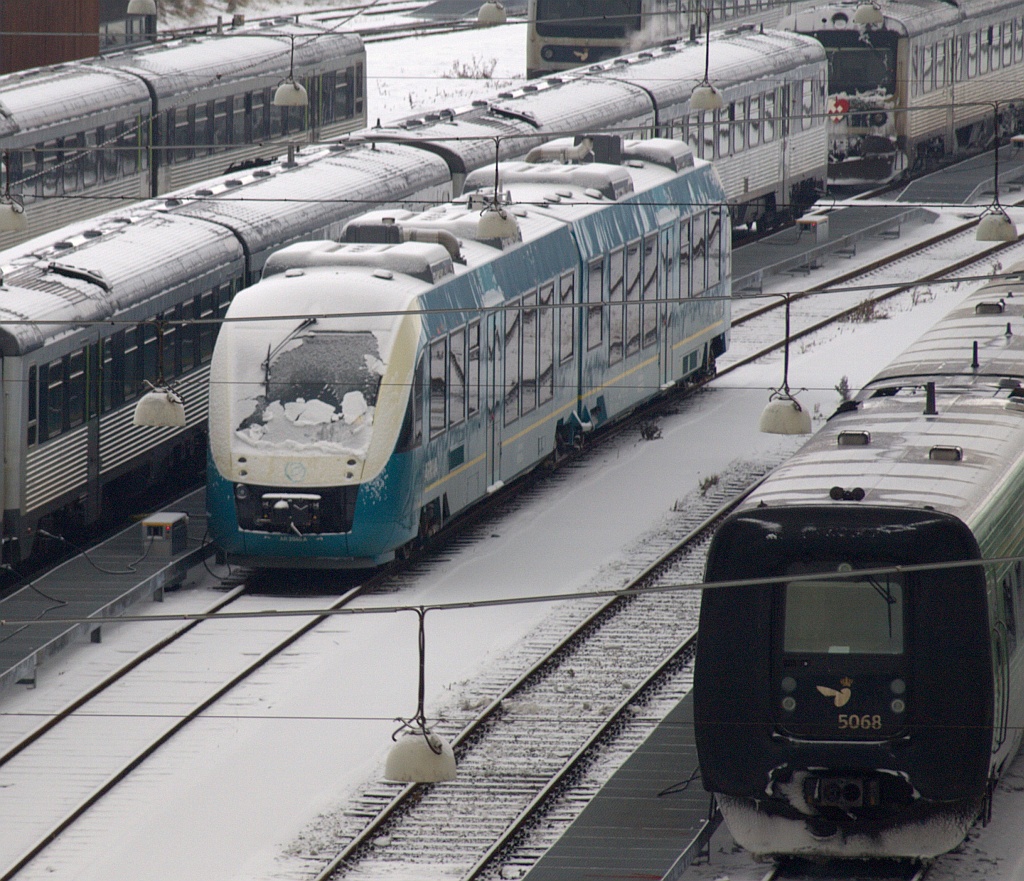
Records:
x=513, y=327
x=616, y=299
x=73, y=147
x=76, y=389
x=633, y=289
x=132, y=362
x=223, y=123
x=204, y=128
x=566, y=316
x=473, y=372
x=457, y=376
x=51, y=400
x=128, y=147
x=650, y=292
x=52, y=177
x=546, y=345
x=699, y=259
x=112, y=394
x=90, y=160
x=595, y=299
x=328, y=83
x=357, y=90
x=438, y=386
x=207, y=327
x=33, y=404
x=859, y=616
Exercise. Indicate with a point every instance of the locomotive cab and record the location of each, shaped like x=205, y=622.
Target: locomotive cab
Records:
x=830, y=696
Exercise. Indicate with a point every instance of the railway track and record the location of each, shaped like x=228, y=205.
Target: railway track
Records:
x=556, y=719
x=153, y=697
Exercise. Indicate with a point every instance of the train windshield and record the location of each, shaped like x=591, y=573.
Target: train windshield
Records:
x=601, y=19
x=856, y=66
x=862, y=615
x=318, y=385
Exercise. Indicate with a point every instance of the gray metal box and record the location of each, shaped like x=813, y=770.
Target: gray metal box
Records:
x=165, y=534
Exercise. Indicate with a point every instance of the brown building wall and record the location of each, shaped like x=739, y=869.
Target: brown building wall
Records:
x=38, y=32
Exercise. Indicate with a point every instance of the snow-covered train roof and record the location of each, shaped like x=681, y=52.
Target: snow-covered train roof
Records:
x=219, y=61
x=739, y=59
x=46, y=96
x=901, y=444
x=906, y=17
x=115, y=275
x=273, y=206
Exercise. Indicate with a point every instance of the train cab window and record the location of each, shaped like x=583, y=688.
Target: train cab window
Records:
x=473, y=369
x=566, y=316
x=530, y=339
x=685, y=280
x=616, y=297
x=595, y=299
x=546, y=345
x=513, y=332
x=457, y=377
x=438, y=386
x=862, y=615
x=649, y=317
x=634, y=275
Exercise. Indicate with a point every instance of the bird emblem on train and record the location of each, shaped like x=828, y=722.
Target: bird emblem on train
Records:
x=842, y=696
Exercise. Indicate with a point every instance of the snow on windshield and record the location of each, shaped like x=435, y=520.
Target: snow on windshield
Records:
x=319, y=390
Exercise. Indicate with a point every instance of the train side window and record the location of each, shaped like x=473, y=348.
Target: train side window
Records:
x=51, y=400
x=76, y=389
x=438, y=386
x=685, y=279
x=698, y=259
x=650, y=293
x=132, y=372
x=473, y=369
x=457, y=376
x=1018, y=39
x=343, y=98
x=927, y=69
x=173, y=342
x=513, y=327
x=714, y=246
x=50, y=168
x=595, y=300
x=223, y=125
x=112, y=371
x=147, y=334
x=632, y=330
x=769, y=116
x=328, y=83
x=754, y=127
x=260, y=115
x=616, y=300
x=90, y=160
x=185, y=134
x=529, y=383
x=739, y=127
x=204, y=128
x=33, y=405
x=411, y=434
x=546, y=345
x=566, y=316
x=73, y=146
x=128, y=148
x=207, y=329
x=806, y=105
x=694, y=134
x=358, y=90
x=940, y=65
x=1010, y=614
x=1006, y=30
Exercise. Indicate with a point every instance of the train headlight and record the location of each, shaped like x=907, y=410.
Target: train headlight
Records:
x=898, y=706
x=789, y=703
x=241, y=492
x=879, y=119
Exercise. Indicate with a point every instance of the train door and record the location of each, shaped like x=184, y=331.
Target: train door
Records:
x=666, y=290
x=494, y=399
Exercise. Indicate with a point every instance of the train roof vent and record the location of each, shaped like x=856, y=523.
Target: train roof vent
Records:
x=854, y=438
x=990, y=308
x=946, y=453
x=674, y=155
x=92, y=276
x=613, y=182
x=427, y=262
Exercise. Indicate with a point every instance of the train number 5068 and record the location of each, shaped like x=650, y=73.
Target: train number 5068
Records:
x=864, y=722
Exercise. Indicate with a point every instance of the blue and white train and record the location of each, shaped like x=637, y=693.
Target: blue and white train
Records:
x=368, y=390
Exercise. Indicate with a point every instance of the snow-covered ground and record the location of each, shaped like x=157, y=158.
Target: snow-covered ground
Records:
x=226, y=799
